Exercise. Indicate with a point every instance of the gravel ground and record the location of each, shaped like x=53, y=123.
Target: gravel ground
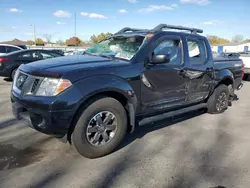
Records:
x=193, y=150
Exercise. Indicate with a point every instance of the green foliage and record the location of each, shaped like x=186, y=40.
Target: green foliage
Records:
x=215, y=40
x=39, y=42
x=97, y=38
x=73, y=41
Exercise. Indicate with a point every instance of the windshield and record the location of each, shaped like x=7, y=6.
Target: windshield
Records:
x=119, y=47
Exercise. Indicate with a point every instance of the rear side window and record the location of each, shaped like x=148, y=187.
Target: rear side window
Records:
x=197, y=52
x=25, y=55
x=2, y=49
x=172, y=48
x=11, y=49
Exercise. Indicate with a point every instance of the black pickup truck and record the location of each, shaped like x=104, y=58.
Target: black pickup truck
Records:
x=133, y=77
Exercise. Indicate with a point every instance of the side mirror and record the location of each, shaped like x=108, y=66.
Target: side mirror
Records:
x=160, y=59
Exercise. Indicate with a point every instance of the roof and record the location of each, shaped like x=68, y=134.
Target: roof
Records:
x=15, y=42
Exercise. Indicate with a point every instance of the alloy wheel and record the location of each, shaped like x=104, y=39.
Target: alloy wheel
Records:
x=101, y=128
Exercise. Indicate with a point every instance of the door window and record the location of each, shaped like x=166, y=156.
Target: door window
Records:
x=197, y=52
x=46, y=55
x=2, y=49
x=25, y=55
x=11, y=49
x=172, y=48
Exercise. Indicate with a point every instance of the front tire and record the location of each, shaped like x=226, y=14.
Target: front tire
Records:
x=219, y=100
x=100, y=128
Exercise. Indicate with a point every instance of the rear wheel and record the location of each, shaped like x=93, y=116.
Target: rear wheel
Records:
x=218, y=101
x=100, y=128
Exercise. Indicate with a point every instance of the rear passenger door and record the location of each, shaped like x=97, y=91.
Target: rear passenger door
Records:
x=199, y=72
x=26, y=57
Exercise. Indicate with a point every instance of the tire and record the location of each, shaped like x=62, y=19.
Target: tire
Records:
x=13, y=74
x=214, y=100
x=82, y=142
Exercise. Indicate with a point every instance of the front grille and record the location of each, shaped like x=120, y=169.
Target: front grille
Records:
x=20, y=80
x=25, y=84
x=34, y=86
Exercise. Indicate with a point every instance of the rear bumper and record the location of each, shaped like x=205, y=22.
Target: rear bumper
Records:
x=5, y=71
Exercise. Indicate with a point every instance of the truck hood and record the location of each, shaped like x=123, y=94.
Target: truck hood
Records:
x=64, y=65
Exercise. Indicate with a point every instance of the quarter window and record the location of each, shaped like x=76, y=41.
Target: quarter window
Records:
x=172, y=48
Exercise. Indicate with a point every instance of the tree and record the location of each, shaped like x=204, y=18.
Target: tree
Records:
x=39, y=42
x=73, y=41
x=237, y=39
x=60, y=42
x=30, y=42
x=247, y=40
x=48, y=38
x=95, y=39
x=215, y=40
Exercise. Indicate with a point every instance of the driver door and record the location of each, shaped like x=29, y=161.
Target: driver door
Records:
x=162, y=85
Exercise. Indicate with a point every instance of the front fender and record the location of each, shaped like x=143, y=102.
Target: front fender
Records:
x=91, y=86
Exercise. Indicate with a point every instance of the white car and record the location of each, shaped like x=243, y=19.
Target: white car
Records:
x=7, y=48
x=246, y=60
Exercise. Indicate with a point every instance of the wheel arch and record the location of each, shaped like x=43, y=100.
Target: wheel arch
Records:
x=115, y=93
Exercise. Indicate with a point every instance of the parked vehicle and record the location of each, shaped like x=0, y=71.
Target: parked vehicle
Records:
x=79, y=52
x=7, y=48
x=24, y=47
x=246, y=60
x=11, y=61
x=58, y=51
x=70, y=52
x=133, y=77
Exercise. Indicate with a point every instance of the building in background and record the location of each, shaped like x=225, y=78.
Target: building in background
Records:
x=241, y=47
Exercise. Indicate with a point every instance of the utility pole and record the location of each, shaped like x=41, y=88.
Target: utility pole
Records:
x=75, y=24
x=34, y=32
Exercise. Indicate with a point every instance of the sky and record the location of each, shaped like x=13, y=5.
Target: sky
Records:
x=224, y=18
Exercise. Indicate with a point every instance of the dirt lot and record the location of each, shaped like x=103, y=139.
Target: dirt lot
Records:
x=195, y=150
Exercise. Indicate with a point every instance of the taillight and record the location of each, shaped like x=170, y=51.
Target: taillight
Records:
x=243, y=70
x=4, y=59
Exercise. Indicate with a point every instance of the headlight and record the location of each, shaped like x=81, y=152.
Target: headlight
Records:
x=52, y=86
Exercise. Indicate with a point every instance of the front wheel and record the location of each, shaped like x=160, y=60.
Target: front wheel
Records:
x=100, y=128
x=218, y=101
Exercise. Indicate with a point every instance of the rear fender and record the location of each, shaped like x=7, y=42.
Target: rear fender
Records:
x=226, y=77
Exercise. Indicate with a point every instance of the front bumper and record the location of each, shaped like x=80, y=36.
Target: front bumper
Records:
x=52, y=116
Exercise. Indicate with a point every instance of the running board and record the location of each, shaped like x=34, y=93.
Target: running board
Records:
x=172, y=113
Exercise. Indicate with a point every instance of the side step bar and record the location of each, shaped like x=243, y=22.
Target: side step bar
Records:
x=172, y=113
